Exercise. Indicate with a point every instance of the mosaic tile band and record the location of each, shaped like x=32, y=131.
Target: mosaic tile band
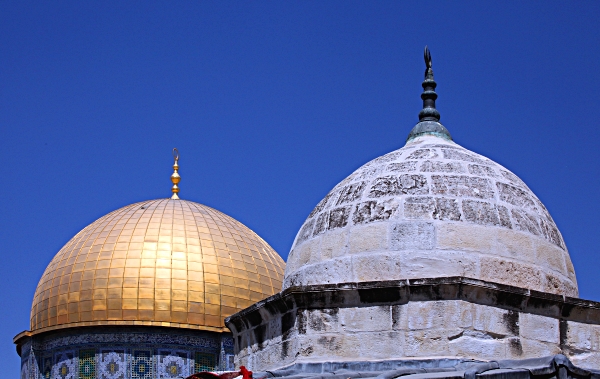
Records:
x=125, y=355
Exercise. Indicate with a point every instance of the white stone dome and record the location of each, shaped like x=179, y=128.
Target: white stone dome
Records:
x=431, y=209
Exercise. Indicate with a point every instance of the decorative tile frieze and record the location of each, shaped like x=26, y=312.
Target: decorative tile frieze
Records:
x=65, y=365
x=127, y=355
x=112, y=364
x=173, y=363
x=142, y=364
x=87, y=364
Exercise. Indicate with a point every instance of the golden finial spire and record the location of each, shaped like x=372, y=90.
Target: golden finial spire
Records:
x=175, y=178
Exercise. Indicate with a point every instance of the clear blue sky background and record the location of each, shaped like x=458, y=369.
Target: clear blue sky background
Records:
x=273, y=103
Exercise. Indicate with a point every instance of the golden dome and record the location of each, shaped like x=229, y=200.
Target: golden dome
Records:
x=161, y=262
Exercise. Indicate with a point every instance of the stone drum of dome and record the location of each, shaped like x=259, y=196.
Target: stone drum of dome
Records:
x=431, y=209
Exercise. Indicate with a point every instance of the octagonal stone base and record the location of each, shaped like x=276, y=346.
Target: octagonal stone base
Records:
x=442, y=317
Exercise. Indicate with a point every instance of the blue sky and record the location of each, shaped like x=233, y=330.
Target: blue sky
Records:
x=273, y=103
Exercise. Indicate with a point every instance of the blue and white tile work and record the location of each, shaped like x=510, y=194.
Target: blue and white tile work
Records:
x=112, y=363
x=65, y=365
x=173, y=364
x=132, y=354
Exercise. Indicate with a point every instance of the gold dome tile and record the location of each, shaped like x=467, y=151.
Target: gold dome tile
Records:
x=162, y=262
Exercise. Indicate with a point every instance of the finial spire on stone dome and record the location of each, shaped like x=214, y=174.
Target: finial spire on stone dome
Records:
x=175, y=178
x=429, y=117
x=429, y=113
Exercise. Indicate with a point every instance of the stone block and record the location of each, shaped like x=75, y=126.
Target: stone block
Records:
x=504, y=217
x=514, y=273
x=337, y=270
x=371, y=211
x=570, y=288
x=338, y=217
x=495, y=322
x=464, y=155
x=266, y=358
x=480, y=170
x=437, y=166
x=427, y=208
x=306, y=232
x=540, y=328
x=423, y=154
x=412, y=235
x=321, y=223
x=351, y=346
x=416, y=208
x=308, y=252
x=289, y=349
x=333, y=244
x=461, y=313
x=570, y=268
x=439, y=314
x=410, y=166
x=429, y=342
x=293, y=278
x=392, y=185
x=470, y=346
x=515, y=196
x=466, y=237
x=368, y=238
x=369, y=267
x=558, y=284
x=378, y=345
x=514, y=349
x=462, y=186
x=583, y=337
x=351, y=193
x=366, y=319
x=446, y=209
x=514, y=244
x=550, y=256
x=324, y=346
x=437, y=263
x=587, y=360
x=536, y=349
x=480, y=212
x=400, y=317
x=323, y=321
x=525, y=222
x=550, y=231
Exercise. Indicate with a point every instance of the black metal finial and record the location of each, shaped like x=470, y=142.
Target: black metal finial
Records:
x=429, y=113
x=429, y=117
x=427, y=56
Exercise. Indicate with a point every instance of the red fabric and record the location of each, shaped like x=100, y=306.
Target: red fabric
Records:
x=245, y=373
x=226, y=375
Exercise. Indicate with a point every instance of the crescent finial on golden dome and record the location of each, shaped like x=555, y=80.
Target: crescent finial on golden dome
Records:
x=175, y=178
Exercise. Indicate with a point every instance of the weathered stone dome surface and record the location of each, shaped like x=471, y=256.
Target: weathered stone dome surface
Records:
x=431, y=209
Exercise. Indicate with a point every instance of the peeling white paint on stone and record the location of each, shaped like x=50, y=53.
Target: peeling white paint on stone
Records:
x=429, y=205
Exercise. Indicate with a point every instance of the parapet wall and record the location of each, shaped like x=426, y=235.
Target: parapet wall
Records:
x=443, y=317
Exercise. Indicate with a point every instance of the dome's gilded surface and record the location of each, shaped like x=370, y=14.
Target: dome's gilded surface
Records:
x=431, y=209
x=161, y=262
